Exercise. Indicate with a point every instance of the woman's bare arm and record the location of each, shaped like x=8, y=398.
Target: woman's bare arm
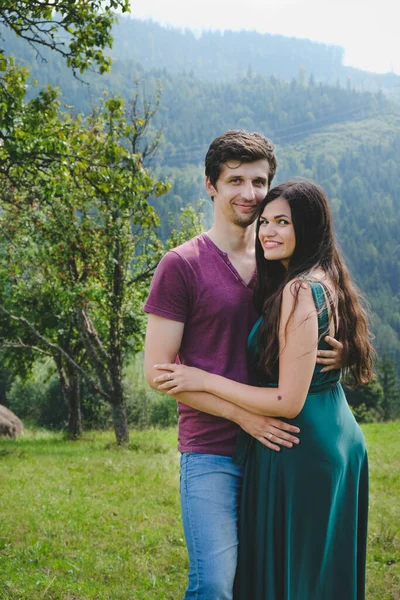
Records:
x=298, y=339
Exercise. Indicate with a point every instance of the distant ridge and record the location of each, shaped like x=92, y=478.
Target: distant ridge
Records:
x=231, y=54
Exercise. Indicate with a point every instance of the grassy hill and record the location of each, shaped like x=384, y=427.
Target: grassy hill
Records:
x=89, y=521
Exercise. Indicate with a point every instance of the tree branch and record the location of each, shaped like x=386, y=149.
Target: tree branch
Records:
x=21, y=345
x=56, y=348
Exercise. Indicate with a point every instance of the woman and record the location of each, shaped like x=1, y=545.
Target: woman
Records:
x=304, y=512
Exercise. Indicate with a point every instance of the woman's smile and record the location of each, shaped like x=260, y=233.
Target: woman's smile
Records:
x=272, y=244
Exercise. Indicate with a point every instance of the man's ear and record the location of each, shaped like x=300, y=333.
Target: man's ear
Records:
x=210, y=189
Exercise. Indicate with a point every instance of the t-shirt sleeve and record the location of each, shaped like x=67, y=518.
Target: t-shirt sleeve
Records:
x=169, y=294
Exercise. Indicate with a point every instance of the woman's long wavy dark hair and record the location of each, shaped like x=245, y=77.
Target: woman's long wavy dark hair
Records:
x=315, y=248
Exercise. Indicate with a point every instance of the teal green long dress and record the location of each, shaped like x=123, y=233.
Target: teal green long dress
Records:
x=303, y=521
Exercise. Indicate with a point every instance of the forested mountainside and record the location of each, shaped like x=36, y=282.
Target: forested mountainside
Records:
x=343, y=138
x=231, y=54
x=217, y=56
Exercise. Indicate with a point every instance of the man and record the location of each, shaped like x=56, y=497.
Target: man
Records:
x=201, y=309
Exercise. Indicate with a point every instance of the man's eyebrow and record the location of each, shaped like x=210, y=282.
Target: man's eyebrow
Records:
x=239, y=176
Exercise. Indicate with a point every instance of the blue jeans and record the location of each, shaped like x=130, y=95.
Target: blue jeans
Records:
x=210, y=495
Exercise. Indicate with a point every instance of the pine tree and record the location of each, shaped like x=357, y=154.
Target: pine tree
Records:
x=389, y=381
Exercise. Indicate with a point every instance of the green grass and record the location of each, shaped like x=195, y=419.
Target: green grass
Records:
x=87, y=520
x=383, y=560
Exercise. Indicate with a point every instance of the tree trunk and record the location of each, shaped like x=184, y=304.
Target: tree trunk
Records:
x=70, y=382
x=107, y=366
x=74, y=426
x=115, y=344
x=120, y=422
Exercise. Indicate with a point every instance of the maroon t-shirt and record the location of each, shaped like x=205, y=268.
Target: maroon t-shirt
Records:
x=197, y=285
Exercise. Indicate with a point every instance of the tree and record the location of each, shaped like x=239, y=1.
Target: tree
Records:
x=380, y=399
x=79, y=241
x=79, y=31
x=388, y=379
x=366, y=401
x=79, y=238
x=79, y=235
x=32, y=141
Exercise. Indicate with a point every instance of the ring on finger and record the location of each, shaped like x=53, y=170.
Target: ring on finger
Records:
x=270, y=437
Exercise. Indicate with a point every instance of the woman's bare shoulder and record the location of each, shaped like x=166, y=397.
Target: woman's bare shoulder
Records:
x=297, y=295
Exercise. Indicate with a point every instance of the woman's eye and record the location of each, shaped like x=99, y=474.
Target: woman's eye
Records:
x=283, y=222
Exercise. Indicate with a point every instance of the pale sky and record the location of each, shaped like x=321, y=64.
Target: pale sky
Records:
x=368, y=30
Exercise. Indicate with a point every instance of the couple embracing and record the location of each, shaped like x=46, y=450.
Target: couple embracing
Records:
x=274, y=475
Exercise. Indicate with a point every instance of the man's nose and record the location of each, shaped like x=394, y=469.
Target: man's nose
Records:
x=249, y=191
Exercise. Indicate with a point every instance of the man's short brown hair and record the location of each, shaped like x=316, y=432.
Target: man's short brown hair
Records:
x=242, y=146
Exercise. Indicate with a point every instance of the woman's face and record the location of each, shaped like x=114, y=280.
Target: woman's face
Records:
x=276, y=233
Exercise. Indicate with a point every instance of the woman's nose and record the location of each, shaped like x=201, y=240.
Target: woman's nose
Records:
x=270, y=230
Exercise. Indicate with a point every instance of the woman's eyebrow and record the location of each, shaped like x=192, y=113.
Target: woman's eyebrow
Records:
x=275, y=217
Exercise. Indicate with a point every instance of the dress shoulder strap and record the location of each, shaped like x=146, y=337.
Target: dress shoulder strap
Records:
x=320, y=294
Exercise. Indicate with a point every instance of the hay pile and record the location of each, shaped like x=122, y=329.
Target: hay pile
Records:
x=10, y=425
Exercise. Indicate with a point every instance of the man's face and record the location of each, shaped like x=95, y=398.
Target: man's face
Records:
x=239, y=190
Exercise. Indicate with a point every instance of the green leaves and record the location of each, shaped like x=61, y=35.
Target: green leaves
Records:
x=79, y=31
x=78, y=241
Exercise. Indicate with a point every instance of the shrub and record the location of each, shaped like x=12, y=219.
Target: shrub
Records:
x=164, y=412
x=39, y=398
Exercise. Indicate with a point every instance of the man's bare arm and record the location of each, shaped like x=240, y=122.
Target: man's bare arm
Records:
x=163, y=340
x=333, y=359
